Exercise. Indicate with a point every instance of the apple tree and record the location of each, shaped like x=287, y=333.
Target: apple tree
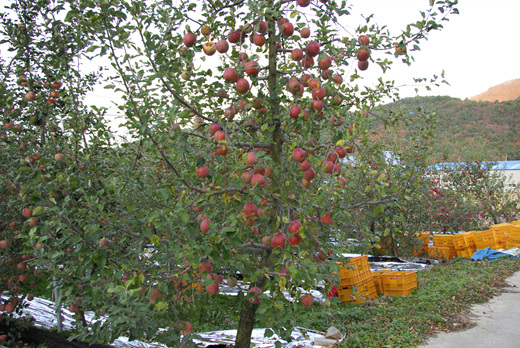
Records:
x=250, y=148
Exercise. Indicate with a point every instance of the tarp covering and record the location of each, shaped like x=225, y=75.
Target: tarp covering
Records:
x=490, y=254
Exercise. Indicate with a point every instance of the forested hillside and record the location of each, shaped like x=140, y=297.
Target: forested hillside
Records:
x=467, y=129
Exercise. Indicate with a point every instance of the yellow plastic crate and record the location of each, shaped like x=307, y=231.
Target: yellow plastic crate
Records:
x=358, y=292
x=459, y=240
x=516, y=223
x=514, y=233
x=356, y=270
x=443, y=240
x=378, y=280
x=468, y=253
x=400, y=283
x=485, y=239
x=438, y=253
x=512, y=244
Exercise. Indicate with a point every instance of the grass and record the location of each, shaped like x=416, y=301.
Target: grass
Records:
x=445, y=292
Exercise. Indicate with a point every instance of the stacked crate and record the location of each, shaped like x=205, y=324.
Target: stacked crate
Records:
x=485, y=239
x=378, y=280
x=399, y=283
x=513, y=239
x=464, y=244
x=501, y=234
x=443, y=247
x=356, y=281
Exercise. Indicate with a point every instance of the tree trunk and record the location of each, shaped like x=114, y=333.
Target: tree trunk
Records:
x=246, y=324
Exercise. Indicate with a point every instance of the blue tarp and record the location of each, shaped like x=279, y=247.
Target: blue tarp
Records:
x=489, y=254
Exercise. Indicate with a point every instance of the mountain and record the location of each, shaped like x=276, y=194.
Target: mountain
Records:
x=509, y=90
x=469, y=129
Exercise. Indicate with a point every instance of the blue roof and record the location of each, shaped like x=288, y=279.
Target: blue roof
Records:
x=498, y=165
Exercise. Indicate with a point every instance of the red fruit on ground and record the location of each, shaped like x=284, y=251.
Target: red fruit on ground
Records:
x=307, y=300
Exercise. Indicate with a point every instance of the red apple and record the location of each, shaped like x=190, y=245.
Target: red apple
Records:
x=246, y=177
x=309, y=174
x=59, y=157
x=294, y=227
x=332, y=156
x=325, y=63
x=295, y=239
x=305, y=79
x=337, y=79
x=258, y=179
x=261, y=27
x=251, y=158
x=295, y=111
x=364, y=40
x=363, y=65
x=202, y=172
x=220, y=136
x=260, y=170
x=250, y=209
x=313, y=48
x=313, y=83
x=189, y=39
x=296, y=54
x=242, y=86
x=214, y=127
x=305, y=32
x=222, y=150
x=258, y=39
x=205, y=267
x=205, y=225
x=307, y=300
x=287, y=29
x=252, y=69
x=30, y=96
x=363, y=55
x=317, y=105
x=342, y=181
x=304, y=165
x=299, y=154
x=230, y=75
x=27, y=213
x=304, y=3
x=328, y=167
x=104, y=242
x=4, y=244
x=213, y=288
x=340, y=150
x=222, y=46
x=278, y=240
x=318, y=93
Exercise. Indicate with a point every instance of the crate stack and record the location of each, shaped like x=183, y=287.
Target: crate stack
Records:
x=443, y=247
x=501, y=234
x=398, y=283
x=464, y=244
x=485, y=239
x=356, y=281
x=513, y=238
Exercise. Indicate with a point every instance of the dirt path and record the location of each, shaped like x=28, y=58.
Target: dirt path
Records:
x=496, y=323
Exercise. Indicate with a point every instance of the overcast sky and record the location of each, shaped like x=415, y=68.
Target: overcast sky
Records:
x=477, y=49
